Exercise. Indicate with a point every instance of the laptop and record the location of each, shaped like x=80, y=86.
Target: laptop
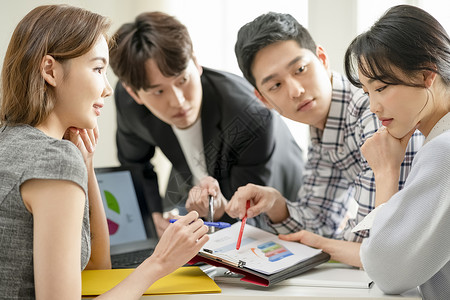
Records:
x=132, y=232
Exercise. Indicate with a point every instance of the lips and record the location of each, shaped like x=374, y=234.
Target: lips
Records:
x=305, y=105
x=181, y=113
x=97, y=108
x=385, y=121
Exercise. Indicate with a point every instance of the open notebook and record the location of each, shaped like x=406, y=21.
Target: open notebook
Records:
x=262, y=259
x=132, y=232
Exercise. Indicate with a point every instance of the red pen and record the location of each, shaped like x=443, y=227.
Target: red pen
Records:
x=241, y=231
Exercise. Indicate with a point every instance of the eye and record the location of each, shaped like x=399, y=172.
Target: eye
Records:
x=99, y=70
x=158, y=92
x=300, y=70
x=183, y=80
x=381, y=89
x=365, y=93
x=274, y=87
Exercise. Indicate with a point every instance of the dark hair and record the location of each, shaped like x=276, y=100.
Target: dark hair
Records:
x=265, y=30
x=153, y=35
x=62, y=31
x=405, y=38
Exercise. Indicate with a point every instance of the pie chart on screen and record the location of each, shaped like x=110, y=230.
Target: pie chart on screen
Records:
x=112, y=204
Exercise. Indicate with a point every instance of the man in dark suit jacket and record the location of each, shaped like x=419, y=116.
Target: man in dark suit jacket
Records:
x=208, y=123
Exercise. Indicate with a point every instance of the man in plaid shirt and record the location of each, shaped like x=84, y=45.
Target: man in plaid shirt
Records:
x=291, y=74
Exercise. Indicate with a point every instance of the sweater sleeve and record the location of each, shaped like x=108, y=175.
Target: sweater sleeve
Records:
x=409, y=240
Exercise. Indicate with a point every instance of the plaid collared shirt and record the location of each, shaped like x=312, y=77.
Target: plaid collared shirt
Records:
x=336, y=172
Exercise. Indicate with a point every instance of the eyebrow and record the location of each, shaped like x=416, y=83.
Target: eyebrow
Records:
x=370, y=81
x=271, y=76
x=158, y=84
x=99, y=58
x=153, y=86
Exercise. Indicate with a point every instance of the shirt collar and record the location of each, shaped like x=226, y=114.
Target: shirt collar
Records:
x=332, y=136
x=442, y=125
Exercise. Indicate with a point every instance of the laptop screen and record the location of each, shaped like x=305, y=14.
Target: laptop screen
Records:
x=123, y=212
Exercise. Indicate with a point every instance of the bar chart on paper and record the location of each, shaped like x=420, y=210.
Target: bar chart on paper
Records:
x=260, y=250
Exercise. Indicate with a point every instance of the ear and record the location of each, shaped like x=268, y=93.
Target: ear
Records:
x=49, y=69
x=429, y=77
x=199, y=67
x=323, y=57
x=262, y=99
x=132, y=94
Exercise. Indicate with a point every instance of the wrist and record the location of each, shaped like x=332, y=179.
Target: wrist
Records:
x=153, y=267
x=387, y=175
x=278, y=212
x=89, y=165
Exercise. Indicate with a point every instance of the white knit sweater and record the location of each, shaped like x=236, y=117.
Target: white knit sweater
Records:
x=409, y=243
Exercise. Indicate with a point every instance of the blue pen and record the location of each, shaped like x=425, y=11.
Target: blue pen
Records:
x=219, y=225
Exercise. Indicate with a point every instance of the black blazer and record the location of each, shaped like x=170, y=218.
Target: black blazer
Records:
x=244, y=142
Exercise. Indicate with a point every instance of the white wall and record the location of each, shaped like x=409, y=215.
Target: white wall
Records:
x=119, y=12
x=332, y=23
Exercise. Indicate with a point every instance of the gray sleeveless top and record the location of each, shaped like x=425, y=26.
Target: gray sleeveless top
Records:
x=27, y=153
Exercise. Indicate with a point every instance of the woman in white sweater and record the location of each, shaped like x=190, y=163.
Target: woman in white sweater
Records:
x=403, y=63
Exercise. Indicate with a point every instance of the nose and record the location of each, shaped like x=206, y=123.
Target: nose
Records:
x=295, y=88
x=374, y=105
x=107, y=91
x=177, y=98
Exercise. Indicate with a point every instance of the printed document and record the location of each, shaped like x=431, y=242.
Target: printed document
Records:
x=260, y=251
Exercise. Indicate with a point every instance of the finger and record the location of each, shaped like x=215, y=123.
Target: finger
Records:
x=188, y=218
x=199, y=201
x=256, y=209
x=211, y=185
x=66, y=135
x=233, y=206
x=201, y=242
x=73, y=134
x=91, y=136
x=242, y=195
x=214, y=188
x=86, y=140
x=200, y=232
x=204, y=199
x=196, y=225
x=189, y=201
x=96, y=134
x=195, y=194
x=296, y=236
x=229, y=209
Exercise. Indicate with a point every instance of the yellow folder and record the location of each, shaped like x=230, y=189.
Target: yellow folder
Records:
x=185, y=280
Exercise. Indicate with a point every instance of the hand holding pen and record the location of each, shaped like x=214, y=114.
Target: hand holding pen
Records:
x=264, y=199
x=219, y=225
x=200, y=197
x=241, y=231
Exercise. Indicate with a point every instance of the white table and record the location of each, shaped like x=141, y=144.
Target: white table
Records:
x=234, y=292
x=245, y=291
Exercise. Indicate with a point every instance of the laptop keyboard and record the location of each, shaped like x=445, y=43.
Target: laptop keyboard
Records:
x=130, y=259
